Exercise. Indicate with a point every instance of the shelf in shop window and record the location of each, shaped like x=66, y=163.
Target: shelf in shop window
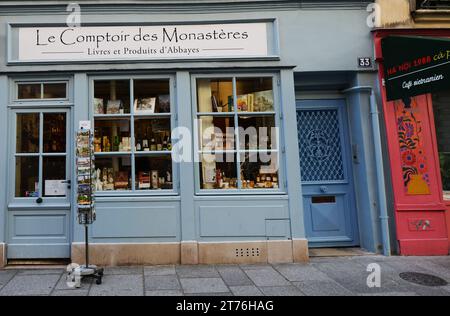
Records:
x=138, y=115
x=112, y=153
x=111, y=116
x=152, y=153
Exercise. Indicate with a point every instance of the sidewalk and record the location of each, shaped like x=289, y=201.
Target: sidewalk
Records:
x=323, y=276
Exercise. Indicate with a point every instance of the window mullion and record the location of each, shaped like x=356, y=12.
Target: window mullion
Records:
x=41, y=150
x=132, y=121
x=236, y=136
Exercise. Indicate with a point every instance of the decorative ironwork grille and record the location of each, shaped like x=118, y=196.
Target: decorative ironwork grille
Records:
x=320, y=145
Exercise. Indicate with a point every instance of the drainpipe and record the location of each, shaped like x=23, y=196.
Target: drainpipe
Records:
x=384, y=218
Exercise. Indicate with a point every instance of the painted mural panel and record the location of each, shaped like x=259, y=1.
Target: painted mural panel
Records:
x=414, y=162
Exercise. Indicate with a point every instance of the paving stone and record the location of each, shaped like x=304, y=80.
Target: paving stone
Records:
x=119, y=285
x=210, y=294
x=390, y=294
x=162, y=282
x=160, y=270
x=203, y=285
x=41, y=271
x=297, y=272
x=281, y=291
x=164, y=293
x=30, y=285
x=233, y=276
x=70, y=293
x=322, y=288
x=199, y=271
x=122, y=270
x=246, y=290
x=6, y=276
x=266, y=276
x=62, y=284
x=255, y=266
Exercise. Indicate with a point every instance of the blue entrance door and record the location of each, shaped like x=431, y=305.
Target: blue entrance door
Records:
x=326, y=172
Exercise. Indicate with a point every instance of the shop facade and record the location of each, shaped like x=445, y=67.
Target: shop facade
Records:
x=173, y=94
x=417, y=130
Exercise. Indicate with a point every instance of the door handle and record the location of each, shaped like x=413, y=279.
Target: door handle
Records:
x=68, y=182
x=39, y=200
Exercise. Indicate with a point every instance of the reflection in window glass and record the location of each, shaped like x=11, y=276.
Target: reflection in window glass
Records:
x=218, y=171
x=54, y=132
x=27, y=133
x=112, y=136
x=215, y=95
x=259, y=170
x=55, y=90
x=216, y=132
x=29, y=91
x=27, y=177
x=154, y=173
x=254, y=94
x=441, y=106
x=151, y=96
x=53, y=172
x=113, y=173
x=256, y=132
x=112, y=96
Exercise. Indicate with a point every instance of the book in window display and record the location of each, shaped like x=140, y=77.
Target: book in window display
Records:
x=145, y=105
x=164, y=103
x=99, y=107
x=114, y=107
x=263, y=101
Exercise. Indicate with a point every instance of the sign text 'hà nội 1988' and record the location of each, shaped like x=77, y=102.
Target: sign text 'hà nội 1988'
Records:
x=415, y=65
x=90, y=43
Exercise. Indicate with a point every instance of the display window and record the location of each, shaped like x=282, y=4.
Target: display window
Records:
x=132, y=135
x=441, y=107
x=237, y=134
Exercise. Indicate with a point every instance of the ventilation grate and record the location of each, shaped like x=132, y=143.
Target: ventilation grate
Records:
x=247, y=252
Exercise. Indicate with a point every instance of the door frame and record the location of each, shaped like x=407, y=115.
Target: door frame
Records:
x=341, y=105
x=51, y=205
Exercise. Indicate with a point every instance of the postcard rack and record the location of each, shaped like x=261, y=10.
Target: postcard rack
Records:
x=85, y=166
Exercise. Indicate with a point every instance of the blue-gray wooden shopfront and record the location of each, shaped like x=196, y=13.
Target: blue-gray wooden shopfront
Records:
x=313, y=56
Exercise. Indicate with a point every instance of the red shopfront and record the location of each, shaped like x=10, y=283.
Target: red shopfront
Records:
x=418, y=138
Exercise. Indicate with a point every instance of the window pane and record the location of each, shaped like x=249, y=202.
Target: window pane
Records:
x=27, y=176
x=216, y=133
x=218, y=171
x=257, y=132
x=441, y=106
x=151, y=96
x=54, y=172
x=215, y=95
x=259, y=170
x=54, y=132
x=154, y=173
x=27, y=139
x=29, y=91
x=254, y=94
x=114, y=173
x=112, y=135
x=152, y=134
x=111, y=96
x=55, y=90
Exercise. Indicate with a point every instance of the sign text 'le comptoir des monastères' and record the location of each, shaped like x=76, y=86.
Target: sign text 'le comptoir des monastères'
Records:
x=143, y=42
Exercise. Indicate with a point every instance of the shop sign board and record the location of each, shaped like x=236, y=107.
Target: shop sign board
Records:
x=151, y=42
x=415, y=65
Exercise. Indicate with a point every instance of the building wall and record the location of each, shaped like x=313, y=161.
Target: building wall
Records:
x=321, y=39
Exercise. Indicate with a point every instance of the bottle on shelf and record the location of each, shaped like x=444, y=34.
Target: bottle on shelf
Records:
x=164, y=144
x=138, y=145
x=145, y=143
x=121, y=109
x=153, y=144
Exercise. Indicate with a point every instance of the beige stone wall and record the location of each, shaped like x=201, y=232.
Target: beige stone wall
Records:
x=2, y=255
x=192, y=252
x=398, y=14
